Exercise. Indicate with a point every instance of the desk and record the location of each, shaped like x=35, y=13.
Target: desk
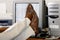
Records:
x=3, y=29
x=40, y=39
x=35, y=39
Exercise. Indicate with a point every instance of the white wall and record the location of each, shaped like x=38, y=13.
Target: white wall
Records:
x=9, y=4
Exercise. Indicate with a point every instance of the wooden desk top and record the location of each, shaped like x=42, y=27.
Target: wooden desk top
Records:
x=3, y=29
x=40, y=39
x=35, y=39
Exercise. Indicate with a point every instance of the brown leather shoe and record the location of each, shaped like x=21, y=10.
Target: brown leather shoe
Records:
x=31, y=14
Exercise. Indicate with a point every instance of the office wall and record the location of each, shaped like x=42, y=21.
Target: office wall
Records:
x=8, y=5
